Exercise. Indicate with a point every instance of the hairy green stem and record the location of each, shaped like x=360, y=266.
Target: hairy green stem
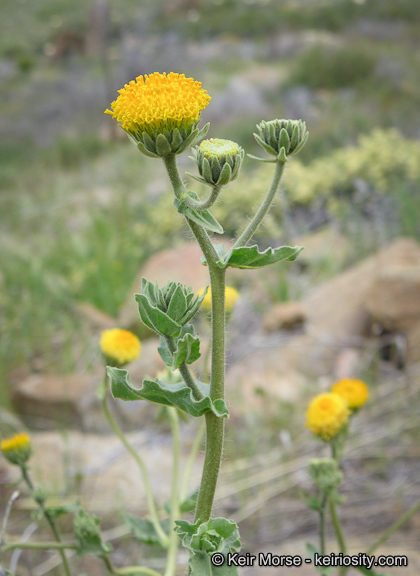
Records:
x=249, y=231
x=214, y=425
x=149, y=495
x=40, y=546
x=171, y=562
x=49, y=519
x=338, y=532
x=200, y=205
x=185, y=372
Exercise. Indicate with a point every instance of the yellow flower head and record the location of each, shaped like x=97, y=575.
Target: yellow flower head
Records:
x=119, y=346
x=159, y=102
x=327, y=414
x=231, y=295
x=17, y=449
x=354, y=391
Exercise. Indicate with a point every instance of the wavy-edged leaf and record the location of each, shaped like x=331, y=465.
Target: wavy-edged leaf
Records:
x=144, y=530
x=177, y=394
x=88, y=535
x=155, y=319
x=218, y=535
x=249, y=257
x=188, y=350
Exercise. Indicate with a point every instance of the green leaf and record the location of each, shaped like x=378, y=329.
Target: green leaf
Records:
x=249, y=257
x=144, y=530
x=314, y=503
x=88, y=535
x=188, y=350
x=203, y=217
x=178, y=304
x=189, y=504
x=155, y=319
x=177, y=394
x=218, y=535
x=165, y=353
x=200, y=565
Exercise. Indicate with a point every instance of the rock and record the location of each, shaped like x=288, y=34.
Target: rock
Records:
x=260, y=375
x=394, y=298
x=180, y=264
x=383, y=288
x=284, y=315
x=48, y=401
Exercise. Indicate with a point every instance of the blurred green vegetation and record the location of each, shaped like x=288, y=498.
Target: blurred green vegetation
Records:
x=79, y=216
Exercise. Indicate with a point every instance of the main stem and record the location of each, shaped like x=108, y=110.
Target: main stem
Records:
x=50, y=521
x=214, y=425
x=173, y=537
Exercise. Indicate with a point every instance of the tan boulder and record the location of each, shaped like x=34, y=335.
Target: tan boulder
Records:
x=260, y=376
x=339, y=313
x=394, y=299
x=284, y=315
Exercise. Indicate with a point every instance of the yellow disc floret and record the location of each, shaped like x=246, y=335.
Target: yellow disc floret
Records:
x=159, y=102
x=354, y=391
x=17, y=449
x=231, y=296
x=120, y=346
x=327, y=415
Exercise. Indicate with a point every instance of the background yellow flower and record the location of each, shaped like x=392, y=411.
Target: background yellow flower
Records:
x=354, y=391
x=327, y=414
x=231, y=296
x=120, y=346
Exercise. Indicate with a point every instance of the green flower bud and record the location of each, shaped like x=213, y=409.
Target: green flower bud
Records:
x=282, y=138
x=218, y=161
x=166, y=310
x=326, y=473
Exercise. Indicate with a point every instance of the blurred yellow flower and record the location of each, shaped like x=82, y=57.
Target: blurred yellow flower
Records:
x=159, y=102
x=17, y=449
x=119, y=346
x=231, y=296
x=354, y=391
x=327, y=414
